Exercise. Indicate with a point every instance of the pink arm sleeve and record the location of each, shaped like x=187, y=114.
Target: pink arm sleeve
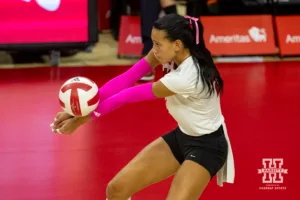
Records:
x=125, y=80
x=126, y=96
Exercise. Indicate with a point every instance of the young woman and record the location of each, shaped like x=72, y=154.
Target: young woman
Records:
x=199, y=148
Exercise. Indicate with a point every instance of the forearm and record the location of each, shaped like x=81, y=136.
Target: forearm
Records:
x=130, y=95
x=128, y=78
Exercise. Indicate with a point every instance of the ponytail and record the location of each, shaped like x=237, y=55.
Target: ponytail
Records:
x=206, y=68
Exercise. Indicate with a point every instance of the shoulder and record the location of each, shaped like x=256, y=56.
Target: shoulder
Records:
x=187, y=68
x=183, y=79
x=186, y=72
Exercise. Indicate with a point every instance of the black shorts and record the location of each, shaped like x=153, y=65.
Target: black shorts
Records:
x=210, y=151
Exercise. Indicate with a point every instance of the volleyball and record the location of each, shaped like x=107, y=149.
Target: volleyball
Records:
x=78, y=96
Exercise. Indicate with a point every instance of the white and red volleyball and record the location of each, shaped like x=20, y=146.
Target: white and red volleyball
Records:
x=78, y=96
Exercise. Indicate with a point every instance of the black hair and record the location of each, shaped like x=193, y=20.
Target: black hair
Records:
x=178, y=27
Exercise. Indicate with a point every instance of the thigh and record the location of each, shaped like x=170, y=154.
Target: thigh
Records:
x=210, y=151
x=212, y=158
x=189, y=182
x=153, y=164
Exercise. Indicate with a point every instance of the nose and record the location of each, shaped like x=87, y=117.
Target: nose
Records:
x=154, y=50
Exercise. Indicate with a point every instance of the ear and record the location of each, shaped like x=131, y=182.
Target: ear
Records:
x=178, y=45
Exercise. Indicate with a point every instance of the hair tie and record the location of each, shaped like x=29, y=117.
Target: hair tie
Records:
x=197, y=28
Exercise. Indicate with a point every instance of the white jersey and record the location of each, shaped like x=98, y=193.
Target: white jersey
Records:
x=195, y=112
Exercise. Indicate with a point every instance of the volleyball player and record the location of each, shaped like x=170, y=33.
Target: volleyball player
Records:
x=199, y=148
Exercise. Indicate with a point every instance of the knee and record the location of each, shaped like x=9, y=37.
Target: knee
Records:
x=115, y=191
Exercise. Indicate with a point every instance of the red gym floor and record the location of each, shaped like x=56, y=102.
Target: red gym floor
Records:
x=261, y=105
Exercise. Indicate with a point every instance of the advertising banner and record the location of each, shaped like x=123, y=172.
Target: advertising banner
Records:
x=130, y=40
x=239, y=35
x=288, y=34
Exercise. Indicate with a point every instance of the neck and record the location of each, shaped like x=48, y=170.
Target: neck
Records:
x=182, y=56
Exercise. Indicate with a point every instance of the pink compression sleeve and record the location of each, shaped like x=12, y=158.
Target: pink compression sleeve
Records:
x=130, y=95
x=125, y=80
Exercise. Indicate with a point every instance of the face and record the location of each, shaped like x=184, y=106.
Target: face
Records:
x=164, y=50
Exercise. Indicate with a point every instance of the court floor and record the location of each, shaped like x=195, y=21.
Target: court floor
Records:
x=260, y=104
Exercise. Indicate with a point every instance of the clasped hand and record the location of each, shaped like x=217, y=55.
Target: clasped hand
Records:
x=67, y=124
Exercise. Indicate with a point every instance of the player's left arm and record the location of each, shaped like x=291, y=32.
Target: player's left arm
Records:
x=144, y=92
